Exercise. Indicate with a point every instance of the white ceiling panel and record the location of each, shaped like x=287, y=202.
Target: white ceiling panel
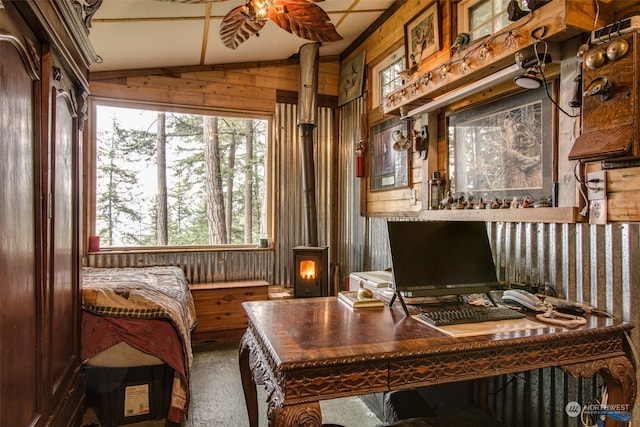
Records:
x=133, y=34
x=131, y=9
x=147, y=44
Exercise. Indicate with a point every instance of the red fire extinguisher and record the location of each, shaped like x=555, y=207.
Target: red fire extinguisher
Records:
x=360, y=159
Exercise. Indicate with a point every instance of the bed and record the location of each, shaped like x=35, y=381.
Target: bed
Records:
x=140, y=317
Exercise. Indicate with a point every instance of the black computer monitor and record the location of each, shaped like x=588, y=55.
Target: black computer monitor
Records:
x=437, y=258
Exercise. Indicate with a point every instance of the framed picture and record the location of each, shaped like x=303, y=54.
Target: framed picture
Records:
x=390, y=155
x=351, y=79
x=504, y=149
x=422, y=35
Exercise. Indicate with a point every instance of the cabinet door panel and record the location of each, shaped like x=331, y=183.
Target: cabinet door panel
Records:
x=63, y=261
x=19, y=353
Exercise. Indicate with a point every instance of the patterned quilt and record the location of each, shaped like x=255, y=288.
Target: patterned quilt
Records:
x=153, y=293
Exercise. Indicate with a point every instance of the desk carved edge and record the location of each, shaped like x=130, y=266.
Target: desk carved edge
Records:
x=256, y=369
x=617, y=372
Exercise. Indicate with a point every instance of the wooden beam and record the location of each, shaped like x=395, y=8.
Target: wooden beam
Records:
x=176, y=71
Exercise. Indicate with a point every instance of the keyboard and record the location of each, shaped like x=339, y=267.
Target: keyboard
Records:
x=469, y=315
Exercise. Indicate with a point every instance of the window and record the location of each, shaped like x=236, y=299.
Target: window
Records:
x=172, y=178
x=481, y=18
x=387, y=77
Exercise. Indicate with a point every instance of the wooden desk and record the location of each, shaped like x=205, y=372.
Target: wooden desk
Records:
x=307, y=350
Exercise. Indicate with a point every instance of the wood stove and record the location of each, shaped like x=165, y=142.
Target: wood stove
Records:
x=311, y=271
x=311, y=277
x=311, y=262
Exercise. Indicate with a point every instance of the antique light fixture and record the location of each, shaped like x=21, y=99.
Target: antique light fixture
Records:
x=302, y=18
x=401, y=142
x=485, y=51
x=465, y=66
x=481, y=51
x=532, y=79
x=529, y=80
x=258, y=10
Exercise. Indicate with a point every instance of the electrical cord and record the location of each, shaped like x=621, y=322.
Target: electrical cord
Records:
x=476, y=299
x=602, y=313
x=587, y=183
x=590, y=184
x=547, y=290
x=595, y=19
x=575, y=174
x=598, y=418
x=585, y=211
x=546, y=89
x=539, y=67
x=513, y=378
x=562, y=319
x=596, y=421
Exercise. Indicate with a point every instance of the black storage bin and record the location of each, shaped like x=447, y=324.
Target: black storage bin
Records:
x=121, y=396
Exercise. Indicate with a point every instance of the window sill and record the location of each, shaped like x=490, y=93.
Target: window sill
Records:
x=171, y=249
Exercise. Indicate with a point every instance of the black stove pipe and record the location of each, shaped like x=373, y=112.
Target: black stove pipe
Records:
x=307, y=104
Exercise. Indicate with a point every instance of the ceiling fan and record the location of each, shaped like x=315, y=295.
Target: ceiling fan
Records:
x=303, y=18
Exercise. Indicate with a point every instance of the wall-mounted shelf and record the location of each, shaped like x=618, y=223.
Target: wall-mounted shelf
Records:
x=553, y=215
x=555, y=22
x=545, y=215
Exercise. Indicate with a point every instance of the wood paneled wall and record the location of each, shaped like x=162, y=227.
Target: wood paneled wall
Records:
x=247, y=89
x=568, y=18
x=384, y=40
x=378, y=44
x=239, y=87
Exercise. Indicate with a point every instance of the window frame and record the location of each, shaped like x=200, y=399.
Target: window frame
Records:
x=90, y=168
x=463, y=15
x=397, y=54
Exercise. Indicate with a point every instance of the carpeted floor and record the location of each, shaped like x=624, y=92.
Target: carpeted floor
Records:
x=217, y=399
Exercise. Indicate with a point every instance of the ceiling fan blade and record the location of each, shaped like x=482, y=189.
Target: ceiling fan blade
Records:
x=237, y=27
x=304, y=19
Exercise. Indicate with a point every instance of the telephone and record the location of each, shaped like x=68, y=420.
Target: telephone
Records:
x=545, y=311
x=523, y=299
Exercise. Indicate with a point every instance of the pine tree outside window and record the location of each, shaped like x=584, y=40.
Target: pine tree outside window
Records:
x=166, y=178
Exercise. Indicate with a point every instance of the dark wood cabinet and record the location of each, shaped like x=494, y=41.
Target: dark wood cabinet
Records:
x=44, y=59
x=19, y=263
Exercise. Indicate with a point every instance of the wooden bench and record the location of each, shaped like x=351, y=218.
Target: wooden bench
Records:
x=219, y=308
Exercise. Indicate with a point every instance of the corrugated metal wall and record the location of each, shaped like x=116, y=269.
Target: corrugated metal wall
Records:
x=351, y=226
x=361, y=244
x=289, y=220
x=598, y=264
x=199, y=266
